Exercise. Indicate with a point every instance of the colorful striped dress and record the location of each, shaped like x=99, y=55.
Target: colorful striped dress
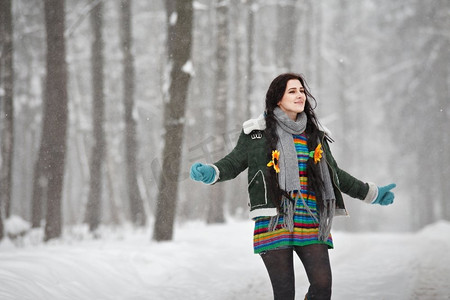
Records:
x=306, y=228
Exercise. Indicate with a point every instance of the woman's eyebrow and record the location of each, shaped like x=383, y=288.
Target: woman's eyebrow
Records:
x=295, y=88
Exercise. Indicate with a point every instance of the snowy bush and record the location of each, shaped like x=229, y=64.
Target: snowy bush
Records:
x=16, y=228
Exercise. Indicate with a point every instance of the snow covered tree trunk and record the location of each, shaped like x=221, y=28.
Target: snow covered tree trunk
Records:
x=287, y=20
x=346, y=106
x=6, y=105
x=439, y=83
x=215, y=213
x=179, y=42
x=6, y=110
x=445, y=141
x=49, y=172
x=138, y=216
x=240, y=61
x=237, y=98
x=93, y=209
x=251, y=8
x=318, y=48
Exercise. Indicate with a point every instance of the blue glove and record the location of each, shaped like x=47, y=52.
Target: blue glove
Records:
x=385, y=196
x=203, y=173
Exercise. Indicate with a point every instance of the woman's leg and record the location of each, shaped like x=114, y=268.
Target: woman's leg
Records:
x=280, y=265
x=316, y=261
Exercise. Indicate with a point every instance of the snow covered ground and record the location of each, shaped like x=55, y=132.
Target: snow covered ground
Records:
x=216, y=262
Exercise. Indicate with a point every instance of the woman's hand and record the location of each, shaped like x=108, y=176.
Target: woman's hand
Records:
x=203, y=173
x=385, y=196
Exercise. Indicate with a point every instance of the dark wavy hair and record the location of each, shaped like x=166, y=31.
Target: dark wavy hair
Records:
x=273, y=96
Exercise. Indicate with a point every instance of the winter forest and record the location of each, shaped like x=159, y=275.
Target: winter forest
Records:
x=142, y=89
x=104, y=106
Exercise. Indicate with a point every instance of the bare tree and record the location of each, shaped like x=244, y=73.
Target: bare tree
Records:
x=49, y=168
x=7, y=115
x=317, y=47
x=251, y=10
x=138, y=216
x=347, y=108
x=444, y=120
x=215, y=213
x=93, y=211
x=239, y=58
x=179, y=42
x=439, y=81
x=287, y=20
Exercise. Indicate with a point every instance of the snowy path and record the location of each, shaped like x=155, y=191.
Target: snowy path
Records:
x=216, y=262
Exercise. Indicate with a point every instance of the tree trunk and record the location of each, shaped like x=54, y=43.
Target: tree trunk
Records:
x=7, y=115
x=287, y=19
x=49, y=168
x=240, y=61
x=138, y=216
x=250, y=58
x=345, y=106
x=445, y=139
x=215, y=213
x=318, y=47
x=179, y=41
x=440, y=79
x=93, y=211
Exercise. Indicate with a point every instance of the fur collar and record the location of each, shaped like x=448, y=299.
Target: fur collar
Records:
x=254, y=124
x=259, y=123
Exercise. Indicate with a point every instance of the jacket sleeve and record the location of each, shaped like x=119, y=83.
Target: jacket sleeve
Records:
x=235, y=162
x=347, y=184
x=352, y=186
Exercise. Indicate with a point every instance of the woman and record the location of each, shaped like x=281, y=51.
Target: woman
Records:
x=294, y=186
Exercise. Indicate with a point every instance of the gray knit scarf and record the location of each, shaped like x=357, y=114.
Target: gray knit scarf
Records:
x=288, y=177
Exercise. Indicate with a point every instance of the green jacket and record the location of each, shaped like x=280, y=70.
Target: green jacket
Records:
x=251, y=152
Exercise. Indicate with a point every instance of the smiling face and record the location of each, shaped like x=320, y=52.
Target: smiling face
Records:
x=294, y=98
